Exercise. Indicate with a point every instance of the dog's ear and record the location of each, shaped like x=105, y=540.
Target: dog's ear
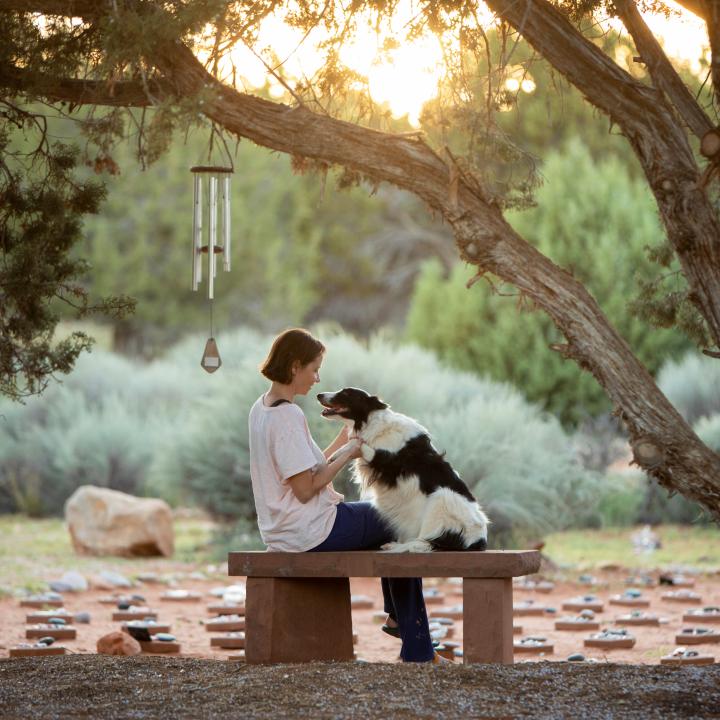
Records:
x=376, y=403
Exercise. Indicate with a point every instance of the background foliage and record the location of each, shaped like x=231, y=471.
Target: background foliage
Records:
x=592, y=218
x=167, y=429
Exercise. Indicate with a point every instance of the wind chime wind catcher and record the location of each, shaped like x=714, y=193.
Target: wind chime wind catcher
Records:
x=211, y=189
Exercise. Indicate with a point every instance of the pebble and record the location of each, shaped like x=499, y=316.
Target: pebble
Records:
x=115, y=578
x=75, y=581
x=576, y=657
x=82, y=617
x=165, y=637
x=47, y=640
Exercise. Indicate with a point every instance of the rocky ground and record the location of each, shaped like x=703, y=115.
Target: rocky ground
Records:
x=84, y=686
x=187, y=618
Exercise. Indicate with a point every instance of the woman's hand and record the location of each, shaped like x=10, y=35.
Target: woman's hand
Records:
x=349, y=451
x=343, y=436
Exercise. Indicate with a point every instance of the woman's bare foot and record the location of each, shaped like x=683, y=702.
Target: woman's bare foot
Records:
x=390, y=622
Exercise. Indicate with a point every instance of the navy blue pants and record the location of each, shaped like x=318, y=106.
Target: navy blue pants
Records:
x=359, y=527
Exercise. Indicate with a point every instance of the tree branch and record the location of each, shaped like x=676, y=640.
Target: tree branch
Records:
x=697, y=7
x=651, y=126
x=81, y=92
x=663, y=74
x=68, y=8
x=601, y=80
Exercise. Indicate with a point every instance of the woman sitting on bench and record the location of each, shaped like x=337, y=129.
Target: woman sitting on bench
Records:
x=297, y=507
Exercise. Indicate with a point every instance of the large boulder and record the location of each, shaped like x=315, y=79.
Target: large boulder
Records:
x=108, y=522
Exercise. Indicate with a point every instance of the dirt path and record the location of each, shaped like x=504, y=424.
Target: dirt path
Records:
x=111, y=688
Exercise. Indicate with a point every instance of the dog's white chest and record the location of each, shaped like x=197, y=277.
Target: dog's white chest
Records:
x=402, y=507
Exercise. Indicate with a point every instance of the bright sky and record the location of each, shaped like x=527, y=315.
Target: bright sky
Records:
x=407, y=76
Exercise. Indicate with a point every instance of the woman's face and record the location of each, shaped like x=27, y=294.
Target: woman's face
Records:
x=307, y=376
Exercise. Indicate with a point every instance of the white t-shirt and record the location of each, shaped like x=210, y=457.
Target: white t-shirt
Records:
x=281, y=446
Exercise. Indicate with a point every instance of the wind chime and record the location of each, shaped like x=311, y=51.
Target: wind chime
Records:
x=211, y=189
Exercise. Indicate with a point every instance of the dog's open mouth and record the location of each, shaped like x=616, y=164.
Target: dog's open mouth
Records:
x=329, y=410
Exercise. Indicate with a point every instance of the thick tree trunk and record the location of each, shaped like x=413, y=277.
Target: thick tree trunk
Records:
x=652, y=128
x=664, y=445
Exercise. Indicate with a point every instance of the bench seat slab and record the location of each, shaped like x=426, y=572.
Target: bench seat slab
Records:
x=368, y=563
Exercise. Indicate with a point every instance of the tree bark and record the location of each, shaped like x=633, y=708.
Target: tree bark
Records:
x=657, y=138
x=681, y=463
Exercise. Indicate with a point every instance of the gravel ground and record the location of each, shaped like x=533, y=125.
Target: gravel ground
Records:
x=84, y=686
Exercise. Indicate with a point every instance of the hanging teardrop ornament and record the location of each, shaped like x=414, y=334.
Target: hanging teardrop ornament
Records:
x=211, y=357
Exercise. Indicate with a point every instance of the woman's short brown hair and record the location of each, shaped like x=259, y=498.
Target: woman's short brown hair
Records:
x=289, y=347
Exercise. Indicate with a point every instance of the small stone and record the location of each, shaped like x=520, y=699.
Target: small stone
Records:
x=576, y=657
x=59, y=586
x=115, y=579
x=47, y=640
x=74, y=581
x=165, y=637
x=56, y=621
x=82, y=617
x=123, y=606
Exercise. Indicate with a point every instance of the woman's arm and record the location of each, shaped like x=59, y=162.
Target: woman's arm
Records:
x=307, y=484
x=337, y=443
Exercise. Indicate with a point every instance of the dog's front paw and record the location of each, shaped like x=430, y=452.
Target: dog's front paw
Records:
x=391, y=547
x=367, y=452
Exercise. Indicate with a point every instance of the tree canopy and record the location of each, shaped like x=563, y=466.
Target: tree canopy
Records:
x=159, y=65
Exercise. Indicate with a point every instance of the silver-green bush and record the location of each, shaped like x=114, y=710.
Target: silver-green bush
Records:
x=692, y=385
x=169, y=429
x=708, y=430
x=101, y=426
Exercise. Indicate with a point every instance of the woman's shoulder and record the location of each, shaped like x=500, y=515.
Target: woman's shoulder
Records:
x=285, y=412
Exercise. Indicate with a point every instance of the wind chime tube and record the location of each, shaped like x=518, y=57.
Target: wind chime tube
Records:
x=226, y=223
x=212, y=239
x=197, y=233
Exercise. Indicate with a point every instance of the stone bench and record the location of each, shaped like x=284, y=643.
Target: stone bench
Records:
x=298, y=604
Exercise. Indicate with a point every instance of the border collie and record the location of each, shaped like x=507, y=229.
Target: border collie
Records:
x=415, y=490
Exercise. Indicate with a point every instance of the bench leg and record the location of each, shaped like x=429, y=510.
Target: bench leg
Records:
x=298, y=620
x=487, y=620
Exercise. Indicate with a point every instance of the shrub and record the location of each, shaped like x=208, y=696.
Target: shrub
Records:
x=622, y=499
x=101, y=426
x=171, y=430
x=708, y=430
x=692, y=385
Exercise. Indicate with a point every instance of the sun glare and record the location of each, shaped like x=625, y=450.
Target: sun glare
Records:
x=406, y=77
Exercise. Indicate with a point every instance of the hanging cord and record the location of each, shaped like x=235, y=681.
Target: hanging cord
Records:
x=211, y=319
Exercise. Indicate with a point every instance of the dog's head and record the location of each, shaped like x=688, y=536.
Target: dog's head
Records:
x=350, y=405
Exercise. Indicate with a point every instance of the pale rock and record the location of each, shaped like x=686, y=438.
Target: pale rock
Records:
x=108, y=522
x=72, y=581
x=118, y=643
x=115, y=579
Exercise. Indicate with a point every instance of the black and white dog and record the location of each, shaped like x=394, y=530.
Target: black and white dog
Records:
x=415, y=490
